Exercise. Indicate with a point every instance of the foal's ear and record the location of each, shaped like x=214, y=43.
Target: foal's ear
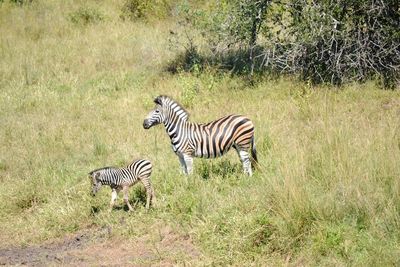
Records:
x=157, y=100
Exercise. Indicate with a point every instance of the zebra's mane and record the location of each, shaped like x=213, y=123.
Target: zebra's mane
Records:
x=100, y=169
x=160, y=100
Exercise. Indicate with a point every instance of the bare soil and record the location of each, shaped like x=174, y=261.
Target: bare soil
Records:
x=97, y=247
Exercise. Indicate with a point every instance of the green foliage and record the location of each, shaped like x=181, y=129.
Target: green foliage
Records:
x=344, y=30
x=190, y=90
x=86, y=15
x=325, y=42
x=330, y=240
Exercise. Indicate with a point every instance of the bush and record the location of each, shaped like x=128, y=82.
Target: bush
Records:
x=188, y=60
x=323, y=42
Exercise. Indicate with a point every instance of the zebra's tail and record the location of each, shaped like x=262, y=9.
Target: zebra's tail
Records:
x=254, y=154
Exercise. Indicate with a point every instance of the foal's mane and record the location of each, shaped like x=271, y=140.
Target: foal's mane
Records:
x=100, y=169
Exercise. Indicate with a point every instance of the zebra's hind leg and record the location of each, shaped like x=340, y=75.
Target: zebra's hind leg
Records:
x=114, y=195
x=245, y=159
x=126, y=197
x=150, y=197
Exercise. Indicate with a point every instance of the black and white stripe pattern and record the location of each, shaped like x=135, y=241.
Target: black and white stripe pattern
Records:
x=123, y=178
x=208, y=140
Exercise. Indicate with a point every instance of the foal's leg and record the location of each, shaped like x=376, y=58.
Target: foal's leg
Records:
x=126, y=197
x=114, y=195
x=245, y=159
x=149, y=192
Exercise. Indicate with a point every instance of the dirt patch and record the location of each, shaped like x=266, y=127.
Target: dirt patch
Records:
x=95, y=247
x=55, y=251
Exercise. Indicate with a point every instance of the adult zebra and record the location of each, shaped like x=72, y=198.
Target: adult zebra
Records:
x=207, y=140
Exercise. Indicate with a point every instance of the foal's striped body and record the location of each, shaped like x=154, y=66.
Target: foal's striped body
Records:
x=123, y=178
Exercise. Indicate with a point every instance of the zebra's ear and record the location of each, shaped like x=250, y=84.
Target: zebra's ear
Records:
x=157, y=100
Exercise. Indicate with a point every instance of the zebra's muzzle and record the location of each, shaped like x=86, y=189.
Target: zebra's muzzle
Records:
x=146, y=124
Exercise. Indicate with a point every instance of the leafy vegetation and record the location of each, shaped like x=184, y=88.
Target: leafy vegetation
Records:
x=321, y=41
x=74, y=98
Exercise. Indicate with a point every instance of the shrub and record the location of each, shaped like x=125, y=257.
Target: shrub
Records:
x=188, y=60
x=323, y=42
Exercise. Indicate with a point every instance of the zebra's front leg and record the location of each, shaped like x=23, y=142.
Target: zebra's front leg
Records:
x=186, y=163
x=126, y=197
x=189, y=163
x=183, y=163
x=245, y=159
x=114, y=195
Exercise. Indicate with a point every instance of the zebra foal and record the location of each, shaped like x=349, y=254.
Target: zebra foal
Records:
x=122, y=179
x=209, y=140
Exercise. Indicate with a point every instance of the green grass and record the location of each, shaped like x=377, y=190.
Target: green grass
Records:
x=74, y=96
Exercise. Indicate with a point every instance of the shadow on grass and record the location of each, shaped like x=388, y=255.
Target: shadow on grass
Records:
x=121, y=207
x=137, y=198
x=236, y=61
x=94, y=210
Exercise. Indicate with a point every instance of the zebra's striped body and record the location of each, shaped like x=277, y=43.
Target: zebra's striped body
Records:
x=123, y=178
x=208, y=140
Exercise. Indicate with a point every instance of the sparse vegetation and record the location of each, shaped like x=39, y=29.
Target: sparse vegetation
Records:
x=145, y=9
x=74, y=98
x=86, y=15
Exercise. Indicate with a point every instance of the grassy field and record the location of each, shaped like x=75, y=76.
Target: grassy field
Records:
x=73, y=97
